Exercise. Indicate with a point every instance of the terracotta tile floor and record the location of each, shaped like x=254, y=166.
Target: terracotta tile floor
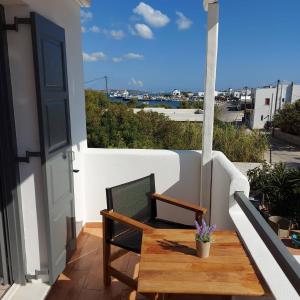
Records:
x=3, y=289
x=82, y=278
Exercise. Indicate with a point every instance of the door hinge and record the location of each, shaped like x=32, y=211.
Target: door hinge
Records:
x=26, y=159
x=39, y=274
x=15, y=25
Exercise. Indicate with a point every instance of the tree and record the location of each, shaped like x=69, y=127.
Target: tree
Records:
x=95, y=101
x=288, y=118
x=132, y=103
x=184, y=104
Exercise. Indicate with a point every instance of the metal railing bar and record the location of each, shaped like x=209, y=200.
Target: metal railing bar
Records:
x=285, y=260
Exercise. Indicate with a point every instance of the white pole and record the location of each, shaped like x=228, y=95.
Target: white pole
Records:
x=212, y=7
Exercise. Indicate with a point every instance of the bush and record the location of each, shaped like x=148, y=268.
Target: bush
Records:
x=117, y=126
x=288, y=118
x=239, y=144
x=280, y=188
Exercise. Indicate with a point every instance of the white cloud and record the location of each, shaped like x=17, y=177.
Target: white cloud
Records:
x=117, y=34
x=132, y=55
x=128, y=56
x=144, y=31
x=95, y=29
x=92, y=57
x=117, y=59
x=151, y=16
x=83, y=29
x=183, y=22
x=85, y=16
x=138, y=83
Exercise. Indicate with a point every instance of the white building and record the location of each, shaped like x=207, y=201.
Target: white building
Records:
x=293, y=93
x=125, y=93
x=266, y=104
x=176, y=93
x=237, y=94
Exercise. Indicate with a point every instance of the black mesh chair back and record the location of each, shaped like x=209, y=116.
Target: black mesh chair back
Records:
x=133, y=200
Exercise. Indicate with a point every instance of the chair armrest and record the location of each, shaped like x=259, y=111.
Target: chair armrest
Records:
x=110, y=214
x=180, y=203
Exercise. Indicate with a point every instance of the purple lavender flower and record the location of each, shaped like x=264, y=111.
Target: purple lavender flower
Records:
x=198, y=227
x=212, y=229
x=204, y=227
x=204, y=231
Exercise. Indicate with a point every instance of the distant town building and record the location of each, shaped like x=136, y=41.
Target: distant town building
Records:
x=125, y=93
x=200, y=94
x=266, y=104
x=176, y=93
x=237, y=94
x=293, y=93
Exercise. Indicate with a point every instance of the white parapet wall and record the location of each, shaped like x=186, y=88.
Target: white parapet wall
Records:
x=226, y=180
x=177, y=173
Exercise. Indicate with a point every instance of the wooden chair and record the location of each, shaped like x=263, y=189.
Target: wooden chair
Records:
x=131, y=209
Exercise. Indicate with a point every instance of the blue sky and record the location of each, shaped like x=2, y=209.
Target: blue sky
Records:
x=159, y=45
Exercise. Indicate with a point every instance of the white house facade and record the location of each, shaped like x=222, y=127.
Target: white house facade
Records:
x=293, y=93
x=266, y=104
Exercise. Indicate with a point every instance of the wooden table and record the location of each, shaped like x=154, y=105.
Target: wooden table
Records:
x=169, y=265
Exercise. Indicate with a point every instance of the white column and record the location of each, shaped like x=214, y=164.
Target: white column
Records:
x=212, y=7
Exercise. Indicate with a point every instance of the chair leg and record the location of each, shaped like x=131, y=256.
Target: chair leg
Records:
x=106, y=256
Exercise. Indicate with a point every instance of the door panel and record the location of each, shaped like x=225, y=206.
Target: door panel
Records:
x=54, y=124
x=12, y=260
x=56, y=116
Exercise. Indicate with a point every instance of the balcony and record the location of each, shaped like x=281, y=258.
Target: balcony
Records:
x=189, y=175
x=178, y=174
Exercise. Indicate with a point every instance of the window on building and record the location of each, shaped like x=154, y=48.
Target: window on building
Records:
x=262, y=117
x=267, y=101
x=282, y=99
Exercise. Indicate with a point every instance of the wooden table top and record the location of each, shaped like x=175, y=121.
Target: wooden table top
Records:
x=169, y=265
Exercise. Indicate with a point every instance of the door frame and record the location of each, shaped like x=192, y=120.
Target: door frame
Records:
x=11, y=215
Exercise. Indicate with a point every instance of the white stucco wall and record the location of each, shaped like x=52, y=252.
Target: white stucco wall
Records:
x=226, y=180
x=66, y=14
x=267, y=111
x=295, y=93
x=177, y=174
x=262, y=110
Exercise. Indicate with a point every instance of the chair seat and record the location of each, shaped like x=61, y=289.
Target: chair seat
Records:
x=132, y=239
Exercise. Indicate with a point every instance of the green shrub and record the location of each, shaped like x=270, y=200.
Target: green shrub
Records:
x=280, y=187
x=288, y=118
x=117, y=126
x=239, y=144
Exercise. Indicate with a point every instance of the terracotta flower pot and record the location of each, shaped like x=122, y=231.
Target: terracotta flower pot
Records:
x=280, y=225
x=203, y=249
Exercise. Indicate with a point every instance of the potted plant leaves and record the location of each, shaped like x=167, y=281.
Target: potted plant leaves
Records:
x=203, y=238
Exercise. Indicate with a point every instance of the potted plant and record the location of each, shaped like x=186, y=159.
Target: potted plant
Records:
x=280, y=225
x=203, y=238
